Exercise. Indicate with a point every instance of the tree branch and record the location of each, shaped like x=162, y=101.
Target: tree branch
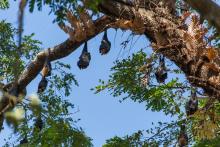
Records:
x=59, y=51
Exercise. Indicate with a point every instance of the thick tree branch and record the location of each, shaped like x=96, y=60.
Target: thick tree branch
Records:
x=59, y=51
x=167, y=33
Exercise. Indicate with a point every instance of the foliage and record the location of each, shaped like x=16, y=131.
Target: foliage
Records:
x=4, y=4
x=9, y=53
x=59, y=8
x=58, y=123
x=163, y=134
x=133, y=140
x=126, y=80
x=208, y=143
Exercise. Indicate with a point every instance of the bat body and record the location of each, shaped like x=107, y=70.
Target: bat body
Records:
x=84, y=58
x=105, y=45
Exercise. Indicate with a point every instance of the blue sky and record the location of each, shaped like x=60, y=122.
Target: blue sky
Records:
x=102, y=116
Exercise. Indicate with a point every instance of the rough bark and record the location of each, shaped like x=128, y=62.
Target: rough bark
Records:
x=165, y=30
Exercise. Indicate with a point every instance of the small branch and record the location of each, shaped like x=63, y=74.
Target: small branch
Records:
x=163, y=129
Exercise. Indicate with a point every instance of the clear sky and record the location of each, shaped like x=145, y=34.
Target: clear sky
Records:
x=102, y=116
